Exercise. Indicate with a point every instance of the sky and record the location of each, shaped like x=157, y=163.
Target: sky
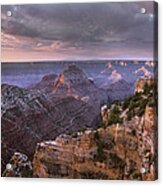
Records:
x=80, y=31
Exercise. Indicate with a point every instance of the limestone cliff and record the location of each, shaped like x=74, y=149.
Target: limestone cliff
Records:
x=142, y=82
x=114, y=152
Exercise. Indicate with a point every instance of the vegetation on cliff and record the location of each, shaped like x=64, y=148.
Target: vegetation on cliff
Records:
x=135, y=105
x=138, y=102
x=100, y=156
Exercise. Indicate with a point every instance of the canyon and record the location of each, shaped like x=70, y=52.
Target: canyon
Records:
x=38, y=113
x=126, y=150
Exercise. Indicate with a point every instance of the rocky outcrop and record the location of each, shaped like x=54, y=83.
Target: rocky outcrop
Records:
x=114, y=152
x=124, y=147
x=19, y=166
x=77, y=157
x=139, y=87
x=29, y=117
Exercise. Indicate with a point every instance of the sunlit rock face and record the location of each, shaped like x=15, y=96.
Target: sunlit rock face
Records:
x=142, y=107
x=149, y=138
x=29, y=117
x=113, y=152
x=75, y=157
x=142, y=82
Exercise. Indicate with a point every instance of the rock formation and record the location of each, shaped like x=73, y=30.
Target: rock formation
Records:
x=73, y=82
x=142, y=82
x=19, y=166
x=114, y=152
x=124, y=148
x=45, y=84
x=57, y=130
x=29, y=117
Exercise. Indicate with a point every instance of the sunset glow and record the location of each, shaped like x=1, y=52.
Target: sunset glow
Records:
x=77, y=32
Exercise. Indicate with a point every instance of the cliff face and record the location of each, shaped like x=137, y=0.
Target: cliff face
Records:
x=114, y=152
x=76, y=157
x=142, y=82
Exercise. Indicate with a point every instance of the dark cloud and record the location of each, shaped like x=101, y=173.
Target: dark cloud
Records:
x=81, y=25
x=16, y=28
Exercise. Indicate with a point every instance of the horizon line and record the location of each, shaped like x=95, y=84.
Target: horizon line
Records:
x=75, y=60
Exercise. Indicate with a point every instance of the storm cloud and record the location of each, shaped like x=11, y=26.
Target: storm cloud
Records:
x=81, y=30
